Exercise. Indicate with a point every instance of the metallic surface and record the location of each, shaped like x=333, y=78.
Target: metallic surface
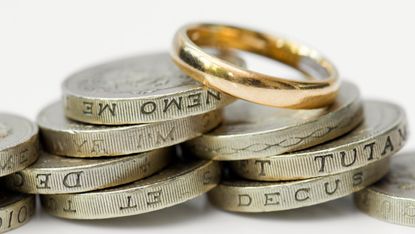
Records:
x=382, y=133
x=392, y=199
x=174, y=185
x=254, y=131
x=15, y=210
x=141, y=89
x=66, y=137
x=250, y=85
x=53, y=174
x=18, y=143
x=251, y=196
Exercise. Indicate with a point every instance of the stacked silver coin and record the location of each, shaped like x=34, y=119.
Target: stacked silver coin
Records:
x=19, y=148
x=110, y=147
x=284, y=180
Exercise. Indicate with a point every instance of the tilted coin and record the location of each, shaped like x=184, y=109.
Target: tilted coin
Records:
x=53, y=174
x=141, y=89
x=392, y=199
x=382, y=133
x=15, y=210
x=252, y=196
x=66, y=137
x=176, y=184
x=254, y=131
x=18, y=143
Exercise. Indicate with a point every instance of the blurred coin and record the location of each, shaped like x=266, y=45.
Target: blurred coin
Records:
x=392, y=199
x=15, y=210
x=18, y=143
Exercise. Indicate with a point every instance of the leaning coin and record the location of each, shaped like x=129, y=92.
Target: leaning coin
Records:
x=137, y=90
x=66, y=137
x=176, y=184
x=252, y=196
x=392, y=199
x=53, y=174
x=15, y=210
x=18, y=143
x=382, y=133
x=254, y=131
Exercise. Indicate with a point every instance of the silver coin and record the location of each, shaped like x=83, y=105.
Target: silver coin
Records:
x=63, y=136
x=240, y=195
x=16, y=209
x=53, y=174
x=176, y=184
x=254, y=131
x=141, y=89
x=383, y=133
x=392, y=199
x=18, y=143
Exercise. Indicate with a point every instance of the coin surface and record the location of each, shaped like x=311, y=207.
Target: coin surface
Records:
x=392, y=199
x=176, y=184
x=18, y=143
x=252, y=196
x=15, y=210
x=382, y=133
x=63, y=136
x=254, y=131
x=141, y=89
x=53, y=174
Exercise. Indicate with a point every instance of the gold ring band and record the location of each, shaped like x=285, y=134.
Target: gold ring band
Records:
x=249, y=85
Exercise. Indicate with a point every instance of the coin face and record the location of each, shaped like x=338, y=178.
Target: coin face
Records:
x=63, y=136
x=138, y=77
x=392, y=199
x=176, y=184
x=16, y=209
x=400, y=181
x=15, y=130
x=140, y=89
x=240, y=195
x=53, y=174
x=383, y=133
x=18, y=143
x=254, y=131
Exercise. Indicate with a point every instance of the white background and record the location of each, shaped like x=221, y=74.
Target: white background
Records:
x=41, y=42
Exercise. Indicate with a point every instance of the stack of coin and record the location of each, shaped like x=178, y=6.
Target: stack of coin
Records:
x=318, y=174
x=279, y=159
x=139, y=134
x=19, y=148
x=109, y=147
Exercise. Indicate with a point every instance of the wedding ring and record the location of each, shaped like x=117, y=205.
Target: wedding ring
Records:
x=253, y=86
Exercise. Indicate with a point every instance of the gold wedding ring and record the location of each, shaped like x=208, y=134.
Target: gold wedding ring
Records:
x=250, y=85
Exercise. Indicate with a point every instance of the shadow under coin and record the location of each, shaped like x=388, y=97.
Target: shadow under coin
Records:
x=179, y=214
x=328, y=210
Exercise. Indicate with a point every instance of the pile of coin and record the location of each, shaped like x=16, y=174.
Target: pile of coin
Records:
x=139, y=134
